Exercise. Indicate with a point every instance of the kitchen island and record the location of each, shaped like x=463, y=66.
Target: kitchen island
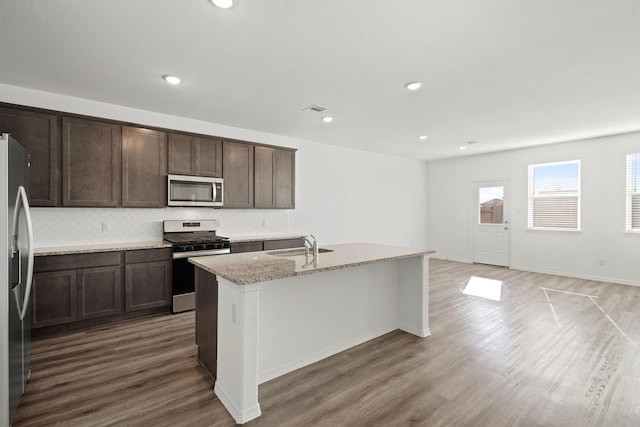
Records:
x=260, y=315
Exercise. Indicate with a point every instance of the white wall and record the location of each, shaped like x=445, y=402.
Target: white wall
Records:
x=342, y=195
x=575, y=254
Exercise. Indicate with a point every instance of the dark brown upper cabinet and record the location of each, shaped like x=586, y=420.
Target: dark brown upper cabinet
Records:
x=144, y=168
x=274, y=178
x=237, y=161
x=91, y=163
x=39, y=133
x=195, y=155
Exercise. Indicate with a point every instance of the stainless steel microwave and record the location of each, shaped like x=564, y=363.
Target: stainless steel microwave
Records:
x=184, y=190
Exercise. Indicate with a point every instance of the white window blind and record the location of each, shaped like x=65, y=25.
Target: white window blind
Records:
x=633, y=192
x=554, y=196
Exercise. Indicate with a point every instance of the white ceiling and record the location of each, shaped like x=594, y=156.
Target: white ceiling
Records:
x=505, y=73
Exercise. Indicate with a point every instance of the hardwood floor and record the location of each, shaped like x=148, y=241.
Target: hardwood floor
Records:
x=554, y=351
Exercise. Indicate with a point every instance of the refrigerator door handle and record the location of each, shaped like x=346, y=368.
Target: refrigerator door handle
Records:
x=23, y=202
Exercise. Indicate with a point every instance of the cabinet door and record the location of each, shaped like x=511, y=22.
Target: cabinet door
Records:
x=181, y=154
x=237, y=163
x=99, y=291
x=208, y=157
x=265, y=195
x=39, y=133
x=195, y=155
x=270, y=245
x=91, y=159
x=284, y=179
x=239, y=247
x=274, y=178
x=147, y=285
x=54, y=298
x=144, y=168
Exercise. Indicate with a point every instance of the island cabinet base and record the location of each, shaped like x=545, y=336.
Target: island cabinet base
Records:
x=267, y=329
x=207, y=320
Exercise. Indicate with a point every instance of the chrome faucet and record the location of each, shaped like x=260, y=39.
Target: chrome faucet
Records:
x=309, y=244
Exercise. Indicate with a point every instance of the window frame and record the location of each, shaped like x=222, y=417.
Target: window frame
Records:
x=531, y=196
x=630, y=173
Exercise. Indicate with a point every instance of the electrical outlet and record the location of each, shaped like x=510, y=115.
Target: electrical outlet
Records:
x=600, y=261
x=233, y=313
x=106, y=226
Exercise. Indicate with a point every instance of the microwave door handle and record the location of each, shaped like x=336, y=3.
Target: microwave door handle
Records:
x=215, y=191
x=22, y=201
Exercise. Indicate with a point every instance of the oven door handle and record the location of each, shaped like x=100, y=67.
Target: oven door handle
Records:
x=209, y=252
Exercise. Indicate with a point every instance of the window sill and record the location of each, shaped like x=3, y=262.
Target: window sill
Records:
x=564, y=230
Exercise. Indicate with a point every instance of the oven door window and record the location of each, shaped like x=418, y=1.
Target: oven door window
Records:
x=183, y=277
x=187, y=191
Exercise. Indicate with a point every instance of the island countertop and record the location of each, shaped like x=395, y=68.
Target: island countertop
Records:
x=256, y=267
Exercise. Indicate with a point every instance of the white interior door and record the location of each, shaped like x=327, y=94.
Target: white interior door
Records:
x=491, y=223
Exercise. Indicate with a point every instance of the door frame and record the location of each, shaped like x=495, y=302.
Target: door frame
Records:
x=506, y=212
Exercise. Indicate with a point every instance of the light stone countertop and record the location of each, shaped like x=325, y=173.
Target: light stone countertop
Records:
x=255, y=267
x=104, y=247
x=153, y=244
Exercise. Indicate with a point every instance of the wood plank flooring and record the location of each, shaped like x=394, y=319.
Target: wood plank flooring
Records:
x=554, y=351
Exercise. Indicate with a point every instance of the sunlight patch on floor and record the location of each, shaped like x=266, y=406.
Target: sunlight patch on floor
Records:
x=484, y=288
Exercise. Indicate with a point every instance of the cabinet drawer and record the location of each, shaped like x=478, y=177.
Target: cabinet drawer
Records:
x=246, y=247
x=146, y=255
x=270, y=245
x=70, y=262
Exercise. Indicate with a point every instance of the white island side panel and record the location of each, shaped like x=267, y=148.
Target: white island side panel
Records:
x=308, y=318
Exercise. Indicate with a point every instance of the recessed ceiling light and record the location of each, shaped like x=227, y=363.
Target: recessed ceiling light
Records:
x=327, y=119
x=462, y=147
x=422, y=137
x=172, y=80
x=224, y=4
x=413, y=85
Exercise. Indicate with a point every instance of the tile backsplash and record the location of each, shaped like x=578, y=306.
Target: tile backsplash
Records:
x=73, y=226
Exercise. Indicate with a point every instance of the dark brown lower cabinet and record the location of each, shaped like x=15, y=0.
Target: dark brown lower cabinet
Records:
x=270, y=245
x=54, y=298
x=99, y=291
x=75, y=291
x=239, y=247
x=148, y=285
x=266, y=245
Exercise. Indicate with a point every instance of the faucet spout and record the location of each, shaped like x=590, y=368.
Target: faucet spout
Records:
x=311, y=244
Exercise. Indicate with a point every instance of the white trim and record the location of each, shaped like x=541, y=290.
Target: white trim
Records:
x=577, y=276
x=239, y=416
x=422, y=333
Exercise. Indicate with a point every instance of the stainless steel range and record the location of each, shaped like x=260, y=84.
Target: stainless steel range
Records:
x=190, y=239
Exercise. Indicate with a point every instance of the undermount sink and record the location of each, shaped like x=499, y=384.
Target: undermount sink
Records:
x=297, y=252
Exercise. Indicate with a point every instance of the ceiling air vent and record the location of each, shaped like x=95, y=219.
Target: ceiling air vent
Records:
x=315, y=108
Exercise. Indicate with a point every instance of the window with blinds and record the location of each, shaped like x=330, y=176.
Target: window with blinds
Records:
x=554, y=196
x=633, y=192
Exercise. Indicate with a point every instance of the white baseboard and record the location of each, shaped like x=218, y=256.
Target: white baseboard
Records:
x=576, y=276
x=464, y=261
x=422, y=333
x=240, y=417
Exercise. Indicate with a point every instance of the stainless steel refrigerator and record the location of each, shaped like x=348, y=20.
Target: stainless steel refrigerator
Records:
x=16, y=274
